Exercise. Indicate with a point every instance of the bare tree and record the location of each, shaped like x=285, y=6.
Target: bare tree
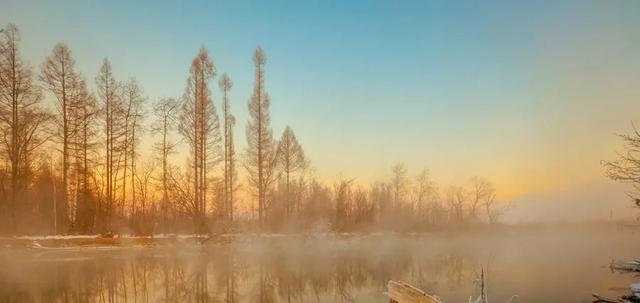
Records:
x=229, y=148
x=165, y=112
x=425, y=195
x=112, y=111
x=143, y=179
x=260, y=152
x=133, y=99
x=21, y=120
x=61, y=79
x=362, y=207
x=291, y=159
x=626, y=168
x=482, y=192
x=180, y=191
x=87, y=113
x=200, y=127
x=136, y=132
x=457, y=197
x=342, y=192
x=491, y=211
x=400, y=183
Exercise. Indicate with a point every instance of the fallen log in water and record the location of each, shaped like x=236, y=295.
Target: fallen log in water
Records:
x=634, y=297
x=626, y=266
x=601, y=299
x=400, y=292
x=632, y=266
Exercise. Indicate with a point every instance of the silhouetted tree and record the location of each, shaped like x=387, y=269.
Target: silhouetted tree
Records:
x=318, y=205
x=457, y=198
x=142, y=178
x=21, y=118
x=424, y=189
x=85, y=145
x=200, y=127
x=132, y=99
x=399, y=183
x=61, y=79
x=107, y=89
x=165, y=112
x=260, y=157
x=482, y=193
x=626, y=168
x=229, y=148
x=342, y=196
x=291, y=159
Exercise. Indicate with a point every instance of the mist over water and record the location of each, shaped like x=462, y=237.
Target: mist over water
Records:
x=260, y=151
x=548, y=264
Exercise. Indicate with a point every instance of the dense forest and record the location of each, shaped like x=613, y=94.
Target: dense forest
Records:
x=72, y=161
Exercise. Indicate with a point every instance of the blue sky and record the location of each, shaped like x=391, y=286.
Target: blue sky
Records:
x=528, y=94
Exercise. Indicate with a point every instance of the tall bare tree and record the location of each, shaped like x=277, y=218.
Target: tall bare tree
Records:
x=291, y=159
x=132, y=98
x=200, y=127
x=165, y=112
x=87, y=112
x=107, y=90
x=260, y=157
x=61, y=79
x=136, y=131
x=21, y=119
x=229, y=148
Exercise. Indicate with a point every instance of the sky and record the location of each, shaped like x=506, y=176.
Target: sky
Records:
x=528, y=94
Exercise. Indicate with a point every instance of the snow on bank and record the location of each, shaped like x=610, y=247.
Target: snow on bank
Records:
x=96, y=236
x=56, y=237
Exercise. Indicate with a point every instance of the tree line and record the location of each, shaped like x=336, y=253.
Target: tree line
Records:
x=76, y=167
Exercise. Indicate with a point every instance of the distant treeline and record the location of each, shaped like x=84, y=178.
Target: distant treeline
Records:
x=76, y=167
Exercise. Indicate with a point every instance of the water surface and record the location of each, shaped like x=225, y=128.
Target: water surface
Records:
x=548, y=265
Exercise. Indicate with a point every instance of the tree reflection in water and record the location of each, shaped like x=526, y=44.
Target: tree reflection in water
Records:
x=296, y=268
x=224, y=274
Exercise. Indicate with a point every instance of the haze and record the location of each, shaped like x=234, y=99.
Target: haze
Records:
x=527, y=95
x=323, y=151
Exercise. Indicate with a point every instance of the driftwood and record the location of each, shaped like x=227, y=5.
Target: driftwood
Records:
x=632, y=266
x=626, y=266
x=624, y=299
x=634, y=297
x=601, y=299
x=400, y=292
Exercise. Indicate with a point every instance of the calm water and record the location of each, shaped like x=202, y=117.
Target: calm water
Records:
x=553, y=265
